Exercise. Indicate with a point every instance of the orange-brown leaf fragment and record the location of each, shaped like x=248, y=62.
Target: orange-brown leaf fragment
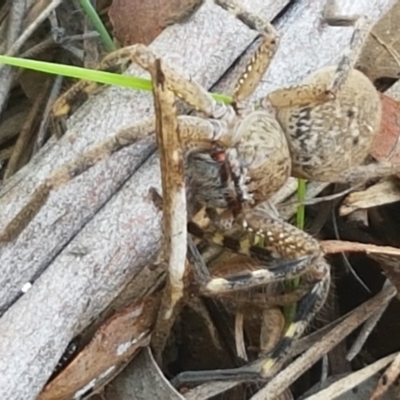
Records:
x=116, y=341
x=386, y=139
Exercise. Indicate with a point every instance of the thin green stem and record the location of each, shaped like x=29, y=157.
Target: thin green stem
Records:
x=301, y=194
x=290, y=309
x=94, y=75
x=91, y=13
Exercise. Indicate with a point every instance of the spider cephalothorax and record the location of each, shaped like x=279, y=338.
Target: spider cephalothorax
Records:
x=250, y=162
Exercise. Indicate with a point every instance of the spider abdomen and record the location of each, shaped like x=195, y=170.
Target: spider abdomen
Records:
x=327, y=138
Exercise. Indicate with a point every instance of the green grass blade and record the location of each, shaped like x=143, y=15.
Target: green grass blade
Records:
x=94, y=75
x=290, y=309
x=301, y=194
x=70, y=71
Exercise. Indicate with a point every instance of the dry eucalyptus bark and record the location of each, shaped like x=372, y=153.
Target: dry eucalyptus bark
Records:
x=97, y=232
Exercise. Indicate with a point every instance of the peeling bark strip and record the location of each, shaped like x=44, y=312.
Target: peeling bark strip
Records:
x=121, y=336
x=99, y=230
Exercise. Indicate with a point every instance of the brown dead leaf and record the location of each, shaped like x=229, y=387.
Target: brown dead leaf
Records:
x=380, y=56
x=383, y=192
x=136, y=21
x=117, y=340
x=32, y=83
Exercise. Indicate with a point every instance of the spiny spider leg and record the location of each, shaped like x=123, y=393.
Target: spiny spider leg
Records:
x=351, y=54
x=284, y=269
x=268, y=364
x=290, y=250
x=190, y=91
x=304, y=94
x=305, y=259
x=263, y=55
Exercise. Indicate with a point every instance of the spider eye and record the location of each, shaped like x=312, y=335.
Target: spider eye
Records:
x=218, y=156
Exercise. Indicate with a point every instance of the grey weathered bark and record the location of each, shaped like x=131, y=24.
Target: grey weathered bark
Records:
x=100, y=230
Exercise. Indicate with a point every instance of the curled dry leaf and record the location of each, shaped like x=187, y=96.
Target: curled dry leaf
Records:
x=117, y=340
x=387, y=256
x=384, y=192
x=142, y=379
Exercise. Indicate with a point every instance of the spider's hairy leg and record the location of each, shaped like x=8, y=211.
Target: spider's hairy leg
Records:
x=268, y=364
x=72, y=99
x=299, y=95
x=302, y=95
x=361, y=30
x=305, y=258
x=78, y=93
x=289, y=251
x=260, y=300
x=188, y=90
x=262, y=56
x=306, y=310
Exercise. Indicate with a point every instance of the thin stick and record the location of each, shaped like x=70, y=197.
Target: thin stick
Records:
x=352, y=380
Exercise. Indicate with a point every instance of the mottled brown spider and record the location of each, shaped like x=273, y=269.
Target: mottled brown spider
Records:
x=236, y=158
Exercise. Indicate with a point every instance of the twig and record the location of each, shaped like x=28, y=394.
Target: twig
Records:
x=338, y=246
x=25, y=135
x=16, y=19
x=366, y=331
x=351, y=381
x=55, y=91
